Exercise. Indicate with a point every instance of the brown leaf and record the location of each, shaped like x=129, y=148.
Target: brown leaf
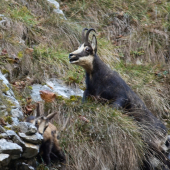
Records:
x=29, y=100
x=29, y=51
x=29, y=109
x=47, y=96
x=2, y=122
x=4, y=52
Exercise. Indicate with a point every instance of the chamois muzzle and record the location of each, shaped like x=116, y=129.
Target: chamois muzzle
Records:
x=72, y=59
x=70, y=55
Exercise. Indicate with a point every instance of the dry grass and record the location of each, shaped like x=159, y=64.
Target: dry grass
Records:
x=110, y=140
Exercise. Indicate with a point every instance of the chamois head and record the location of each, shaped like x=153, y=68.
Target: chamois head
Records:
x=85, y=54
x=41, y=122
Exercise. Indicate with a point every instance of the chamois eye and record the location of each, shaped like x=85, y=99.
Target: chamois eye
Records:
x=36, y=123
x=87, y=49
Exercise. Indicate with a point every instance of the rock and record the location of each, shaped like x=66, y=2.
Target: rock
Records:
x=15, y=156
x=25, y=166
x=9, y=147
x=18, y=141
x=5, y=22
x=8, y=134
x=57, y=8
x=35, y=139
x=10, y=98
x=2, y=129
x=17, y=113
x=58, y=87
x=23, y=2
x=27, y=128
x=2, y=107
x=15, y=121
x=4, y=159
x=30, y=150
x=11, y=133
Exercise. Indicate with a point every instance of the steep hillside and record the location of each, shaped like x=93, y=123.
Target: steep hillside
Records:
x=133, y=39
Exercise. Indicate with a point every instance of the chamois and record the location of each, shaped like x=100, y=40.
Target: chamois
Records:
x=50, y=144
x=104, y=83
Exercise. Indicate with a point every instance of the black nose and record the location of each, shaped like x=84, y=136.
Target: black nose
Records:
x=70, y=55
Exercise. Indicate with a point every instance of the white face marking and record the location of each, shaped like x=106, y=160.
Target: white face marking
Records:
x=79, y=50
x=86, y=62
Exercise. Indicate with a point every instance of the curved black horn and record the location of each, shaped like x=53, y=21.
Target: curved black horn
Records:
x=83, y=37
x=87, y=34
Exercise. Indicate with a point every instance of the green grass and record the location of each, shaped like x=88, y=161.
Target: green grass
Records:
x=22, y=14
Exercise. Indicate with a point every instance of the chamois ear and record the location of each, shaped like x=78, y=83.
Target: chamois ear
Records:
x=50, y=116
x=94, y=43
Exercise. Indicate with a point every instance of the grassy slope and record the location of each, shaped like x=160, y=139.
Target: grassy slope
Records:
x=128, y=32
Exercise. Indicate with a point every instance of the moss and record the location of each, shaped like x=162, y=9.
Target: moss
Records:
x=16, y=129
x=75, y=98
x=8, y=119
x=60, y=98
x=5, y=88
x=30, y=87
x=7, y=128
x=4, y=71
x=20, y=54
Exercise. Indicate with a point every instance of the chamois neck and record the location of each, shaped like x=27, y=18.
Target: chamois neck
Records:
x=98, y=65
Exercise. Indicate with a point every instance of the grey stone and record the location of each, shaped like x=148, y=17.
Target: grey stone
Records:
x=5, y=23
x=9, y=147
x=18, y=141
x=11, y=133
x=17, y=113
x=15, y=121
x=30, y=150
x=27, y=128
x=8, y=134
x=2, y=129
x=3, y=136
x=2, y=107
x=22, y=2
x=4, y=159
x=15, y=156
x=57, y=8
x=35, y=139
x=25, y=166
x=9, y=95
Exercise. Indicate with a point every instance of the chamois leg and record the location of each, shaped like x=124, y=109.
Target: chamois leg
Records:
x=57, y=152
x=46, y=148
x=119, y=104
x=85, y=95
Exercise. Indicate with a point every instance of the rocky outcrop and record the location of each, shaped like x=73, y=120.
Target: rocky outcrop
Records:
x=11, y=106
x=21, y=145
x=19, y=141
